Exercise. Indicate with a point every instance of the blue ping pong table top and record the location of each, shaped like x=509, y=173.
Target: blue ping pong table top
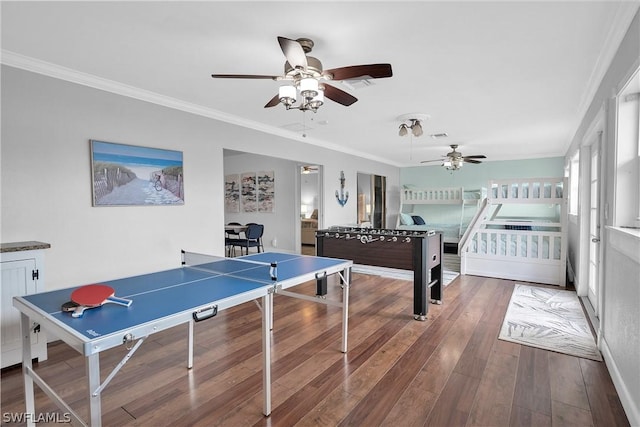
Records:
x=166, y=293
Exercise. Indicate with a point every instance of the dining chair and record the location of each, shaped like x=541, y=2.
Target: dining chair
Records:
x=230, y=237
x=253, y=239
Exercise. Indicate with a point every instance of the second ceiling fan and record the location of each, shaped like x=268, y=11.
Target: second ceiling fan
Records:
x=305, y=75
x=454, y=159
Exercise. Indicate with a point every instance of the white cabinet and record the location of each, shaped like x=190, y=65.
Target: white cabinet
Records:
x=22, y=274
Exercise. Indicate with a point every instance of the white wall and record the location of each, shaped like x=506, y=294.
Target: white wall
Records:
x=620, y=319
x=46, y=178
x=280, y=225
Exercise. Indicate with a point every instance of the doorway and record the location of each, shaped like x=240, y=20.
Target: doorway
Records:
x=310, y=179
x=589, y=286
x=594, y=227
x=372, y=201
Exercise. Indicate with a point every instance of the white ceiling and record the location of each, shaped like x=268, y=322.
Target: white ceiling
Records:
x=508, y=80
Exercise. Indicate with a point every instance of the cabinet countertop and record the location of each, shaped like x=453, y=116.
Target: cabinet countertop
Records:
x=23, y=246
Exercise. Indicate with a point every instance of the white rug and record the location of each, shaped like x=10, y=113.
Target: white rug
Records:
x=551, y=319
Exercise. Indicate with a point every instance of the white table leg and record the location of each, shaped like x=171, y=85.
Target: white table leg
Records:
x=345, y=307
x=29, y=396
x=267, y=304
x=93, y=379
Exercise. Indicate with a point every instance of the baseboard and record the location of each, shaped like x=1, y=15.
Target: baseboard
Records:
x=629, y=404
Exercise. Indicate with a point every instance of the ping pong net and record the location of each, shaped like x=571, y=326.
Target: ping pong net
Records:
x=263, y=272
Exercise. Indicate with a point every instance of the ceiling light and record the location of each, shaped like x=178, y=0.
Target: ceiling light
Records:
x=412, y=121
x=453, y=164
x=287, y=95
x=311, y=94
x=308, y=87
x=317, y=100
x=416, y=128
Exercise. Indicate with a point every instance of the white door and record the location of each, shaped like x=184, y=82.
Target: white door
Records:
x=594, y=227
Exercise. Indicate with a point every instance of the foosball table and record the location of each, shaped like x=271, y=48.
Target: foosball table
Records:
x=419, y=251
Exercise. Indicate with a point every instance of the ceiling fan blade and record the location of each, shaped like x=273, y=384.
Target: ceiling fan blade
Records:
x=338, y=95
x=273, y=102
x=294, y=53
x=478, y=156
x=467, y=160
x=243, y=76
x=429, y=161
x=375, y=71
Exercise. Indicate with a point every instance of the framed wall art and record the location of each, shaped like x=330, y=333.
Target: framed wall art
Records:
x=249, y=190
x=266, y=191
x=232, y=193
x=128, y=175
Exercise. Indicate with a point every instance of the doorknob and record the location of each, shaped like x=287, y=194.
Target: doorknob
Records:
x=595, y=240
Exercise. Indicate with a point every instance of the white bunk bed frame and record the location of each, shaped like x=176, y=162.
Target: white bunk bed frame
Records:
x=439, y=196
x=491, y=247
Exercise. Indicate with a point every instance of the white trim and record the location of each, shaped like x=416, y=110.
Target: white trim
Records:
x=617, y=31
x=34, y=65
x=630, y=405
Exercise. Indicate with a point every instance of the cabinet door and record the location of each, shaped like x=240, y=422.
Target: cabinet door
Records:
x=17, y=279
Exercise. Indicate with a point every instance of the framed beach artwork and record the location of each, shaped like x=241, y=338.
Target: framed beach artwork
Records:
x=128, y=175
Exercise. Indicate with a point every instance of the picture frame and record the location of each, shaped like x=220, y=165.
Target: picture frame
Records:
x=129, y=175
x=232, y=193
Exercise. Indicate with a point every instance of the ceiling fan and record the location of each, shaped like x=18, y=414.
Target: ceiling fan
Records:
x=304, y=74
x=454, y=159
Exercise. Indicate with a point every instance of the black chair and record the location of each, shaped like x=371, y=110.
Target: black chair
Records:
x=253, y=239
x=230, y=237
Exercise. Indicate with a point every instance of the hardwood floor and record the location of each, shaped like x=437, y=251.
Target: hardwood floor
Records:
x=448, y=371
x=308, y=250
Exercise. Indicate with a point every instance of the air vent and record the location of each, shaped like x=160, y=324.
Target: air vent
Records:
x=439, y=135
x=355, y=84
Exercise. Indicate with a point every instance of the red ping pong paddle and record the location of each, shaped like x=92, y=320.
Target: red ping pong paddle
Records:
x=90, y=296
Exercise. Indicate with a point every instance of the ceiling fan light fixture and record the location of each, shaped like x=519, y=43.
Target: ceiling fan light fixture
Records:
x=287, y=95
x=308, y=87
x=453, y=164
x=317, y=101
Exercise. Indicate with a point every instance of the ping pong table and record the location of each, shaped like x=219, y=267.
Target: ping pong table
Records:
x=196, y=291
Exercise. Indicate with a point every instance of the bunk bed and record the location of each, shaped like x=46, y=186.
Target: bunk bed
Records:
x=457, y=197
x=523, y=248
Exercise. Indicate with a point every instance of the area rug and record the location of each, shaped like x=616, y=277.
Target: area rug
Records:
x=551, y=319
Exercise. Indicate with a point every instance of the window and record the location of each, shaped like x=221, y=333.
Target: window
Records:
x=574, y=183
x=627, y=202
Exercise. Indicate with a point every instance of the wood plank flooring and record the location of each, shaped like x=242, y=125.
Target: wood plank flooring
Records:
x=448, y=371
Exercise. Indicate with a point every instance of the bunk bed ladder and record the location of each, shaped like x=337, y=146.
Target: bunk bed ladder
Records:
x=474, y=226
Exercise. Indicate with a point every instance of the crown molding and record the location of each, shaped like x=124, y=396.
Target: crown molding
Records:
x=23, y=62
x=617, y=30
